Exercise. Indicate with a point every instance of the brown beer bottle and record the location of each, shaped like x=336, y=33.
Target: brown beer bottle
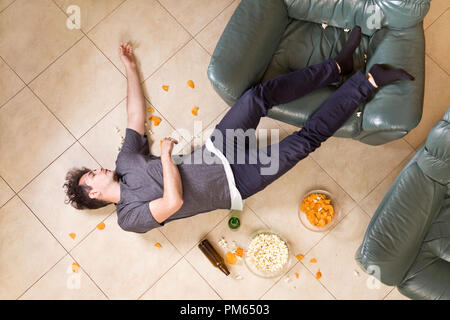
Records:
x=213, y=256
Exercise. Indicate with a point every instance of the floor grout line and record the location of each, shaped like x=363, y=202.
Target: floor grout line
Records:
x=438, y=17
x=7, y=6
x=437, y=63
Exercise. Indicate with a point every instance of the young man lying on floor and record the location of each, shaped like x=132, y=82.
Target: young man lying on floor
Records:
x=149, y=191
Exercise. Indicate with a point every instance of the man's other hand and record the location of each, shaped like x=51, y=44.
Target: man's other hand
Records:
x=126, y=55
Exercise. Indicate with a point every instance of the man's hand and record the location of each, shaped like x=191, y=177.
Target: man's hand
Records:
x=167, y=146
x=126, y=55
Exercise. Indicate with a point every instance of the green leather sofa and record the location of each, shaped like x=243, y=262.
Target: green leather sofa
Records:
x=266, y=38
x=407, y=243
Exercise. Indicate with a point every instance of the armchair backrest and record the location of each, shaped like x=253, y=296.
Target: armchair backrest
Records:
x=370, y=15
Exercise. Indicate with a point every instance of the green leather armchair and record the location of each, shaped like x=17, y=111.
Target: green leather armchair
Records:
x=266, y=38
x=407, y=242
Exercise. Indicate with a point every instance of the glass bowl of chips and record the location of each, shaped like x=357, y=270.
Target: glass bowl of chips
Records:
x=268, y=254
x=318, y=210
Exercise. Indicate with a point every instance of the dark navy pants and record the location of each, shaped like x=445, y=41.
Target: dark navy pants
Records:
x=326, y=120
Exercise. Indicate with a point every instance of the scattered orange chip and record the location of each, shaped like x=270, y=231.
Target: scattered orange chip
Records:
x=190, y=83
x=318, y=274
x=194, y=110
x=75, y=267
x=296, y=274
x=158, y=245
x=72, y=235
x=295, y=287
x=313, y=260
x=299, y=257
x=101, y=226
x=165, y=88
x=150, y=110
x=239, y=252
x=231, y=257
x=156, y=120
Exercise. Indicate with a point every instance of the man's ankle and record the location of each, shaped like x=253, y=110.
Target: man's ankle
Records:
x=371, y=80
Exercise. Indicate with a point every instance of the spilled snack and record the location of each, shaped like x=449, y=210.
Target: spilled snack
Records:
x=318, y=274
x=75, y=267
x=101, y=226
x=231, y=257
x=72, y=235
x=165, y=88
x=318, y=209
x=158, y=245
x=299, y=257
x=150, y=110
x=190, y=83
x=156, y=120
x=194, y=110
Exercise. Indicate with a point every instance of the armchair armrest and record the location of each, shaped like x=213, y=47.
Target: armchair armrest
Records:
x=397, y=229
x=398, y=106
x=246, y=47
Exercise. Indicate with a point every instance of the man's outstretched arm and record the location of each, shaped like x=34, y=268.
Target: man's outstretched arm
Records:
x=135, y=96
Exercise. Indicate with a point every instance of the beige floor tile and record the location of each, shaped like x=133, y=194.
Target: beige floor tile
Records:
x=154, y=34
x=5, y=192
x=396, y=295
x=250, y=286
x=210, y=35
x=77, y=95
x=21, y=264
x=335, y=259
x=181, y=282
x=305, y=287
x=437, y=46
x=437, y=7
x=176, y=104
x=91, y=11
x=45, y=196
x=201, y=12
x=370, y=203
x=103, y=140
x=278, y=204
x=5, y=3
x=9, y=82
x=32, y=136
x=359, y=167
x=125, y=264
x=32, y=35
x=186, y=233
x=62, y=283
x=436, y=101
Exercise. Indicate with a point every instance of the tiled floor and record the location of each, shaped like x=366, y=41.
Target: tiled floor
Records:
x=62, y=98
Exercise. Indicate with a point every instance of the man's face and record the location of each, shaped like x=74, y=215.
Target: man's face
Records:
x=98, y=179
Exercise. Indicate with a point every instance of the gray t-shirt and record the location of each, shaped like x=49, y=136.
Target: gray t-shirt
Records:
x=205, y=186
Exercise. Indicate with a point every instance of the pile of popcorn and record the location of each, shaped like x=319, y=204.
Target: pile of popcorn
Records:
x=268, y=252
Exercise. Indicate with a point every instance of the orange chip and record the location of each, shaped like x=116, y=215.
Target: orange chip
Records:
x=190, y=83
x=299, y=257
x=158, y=245
x=72, y=235
x=101, y=226
x=318, y=274
x=239, y=252
x=194, y=110
x=160, y=143
x=231, y=257
x=150, y=110
x=296, y=274
x=295, y=287
x=165, y=88
x=156, y=120
x=313, y=260
x=75, y=267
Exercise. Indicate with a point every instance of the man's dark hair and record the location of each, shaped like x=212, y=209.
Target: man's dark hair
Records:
x=78, y=195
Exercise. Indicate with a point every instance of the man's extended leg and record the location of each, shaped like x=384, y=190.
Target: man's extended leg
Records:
x=332, y=114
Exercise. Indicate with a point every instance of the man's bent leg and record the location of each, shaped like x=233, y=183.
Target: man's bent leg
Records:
x=320, y=126
x=256, y=101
